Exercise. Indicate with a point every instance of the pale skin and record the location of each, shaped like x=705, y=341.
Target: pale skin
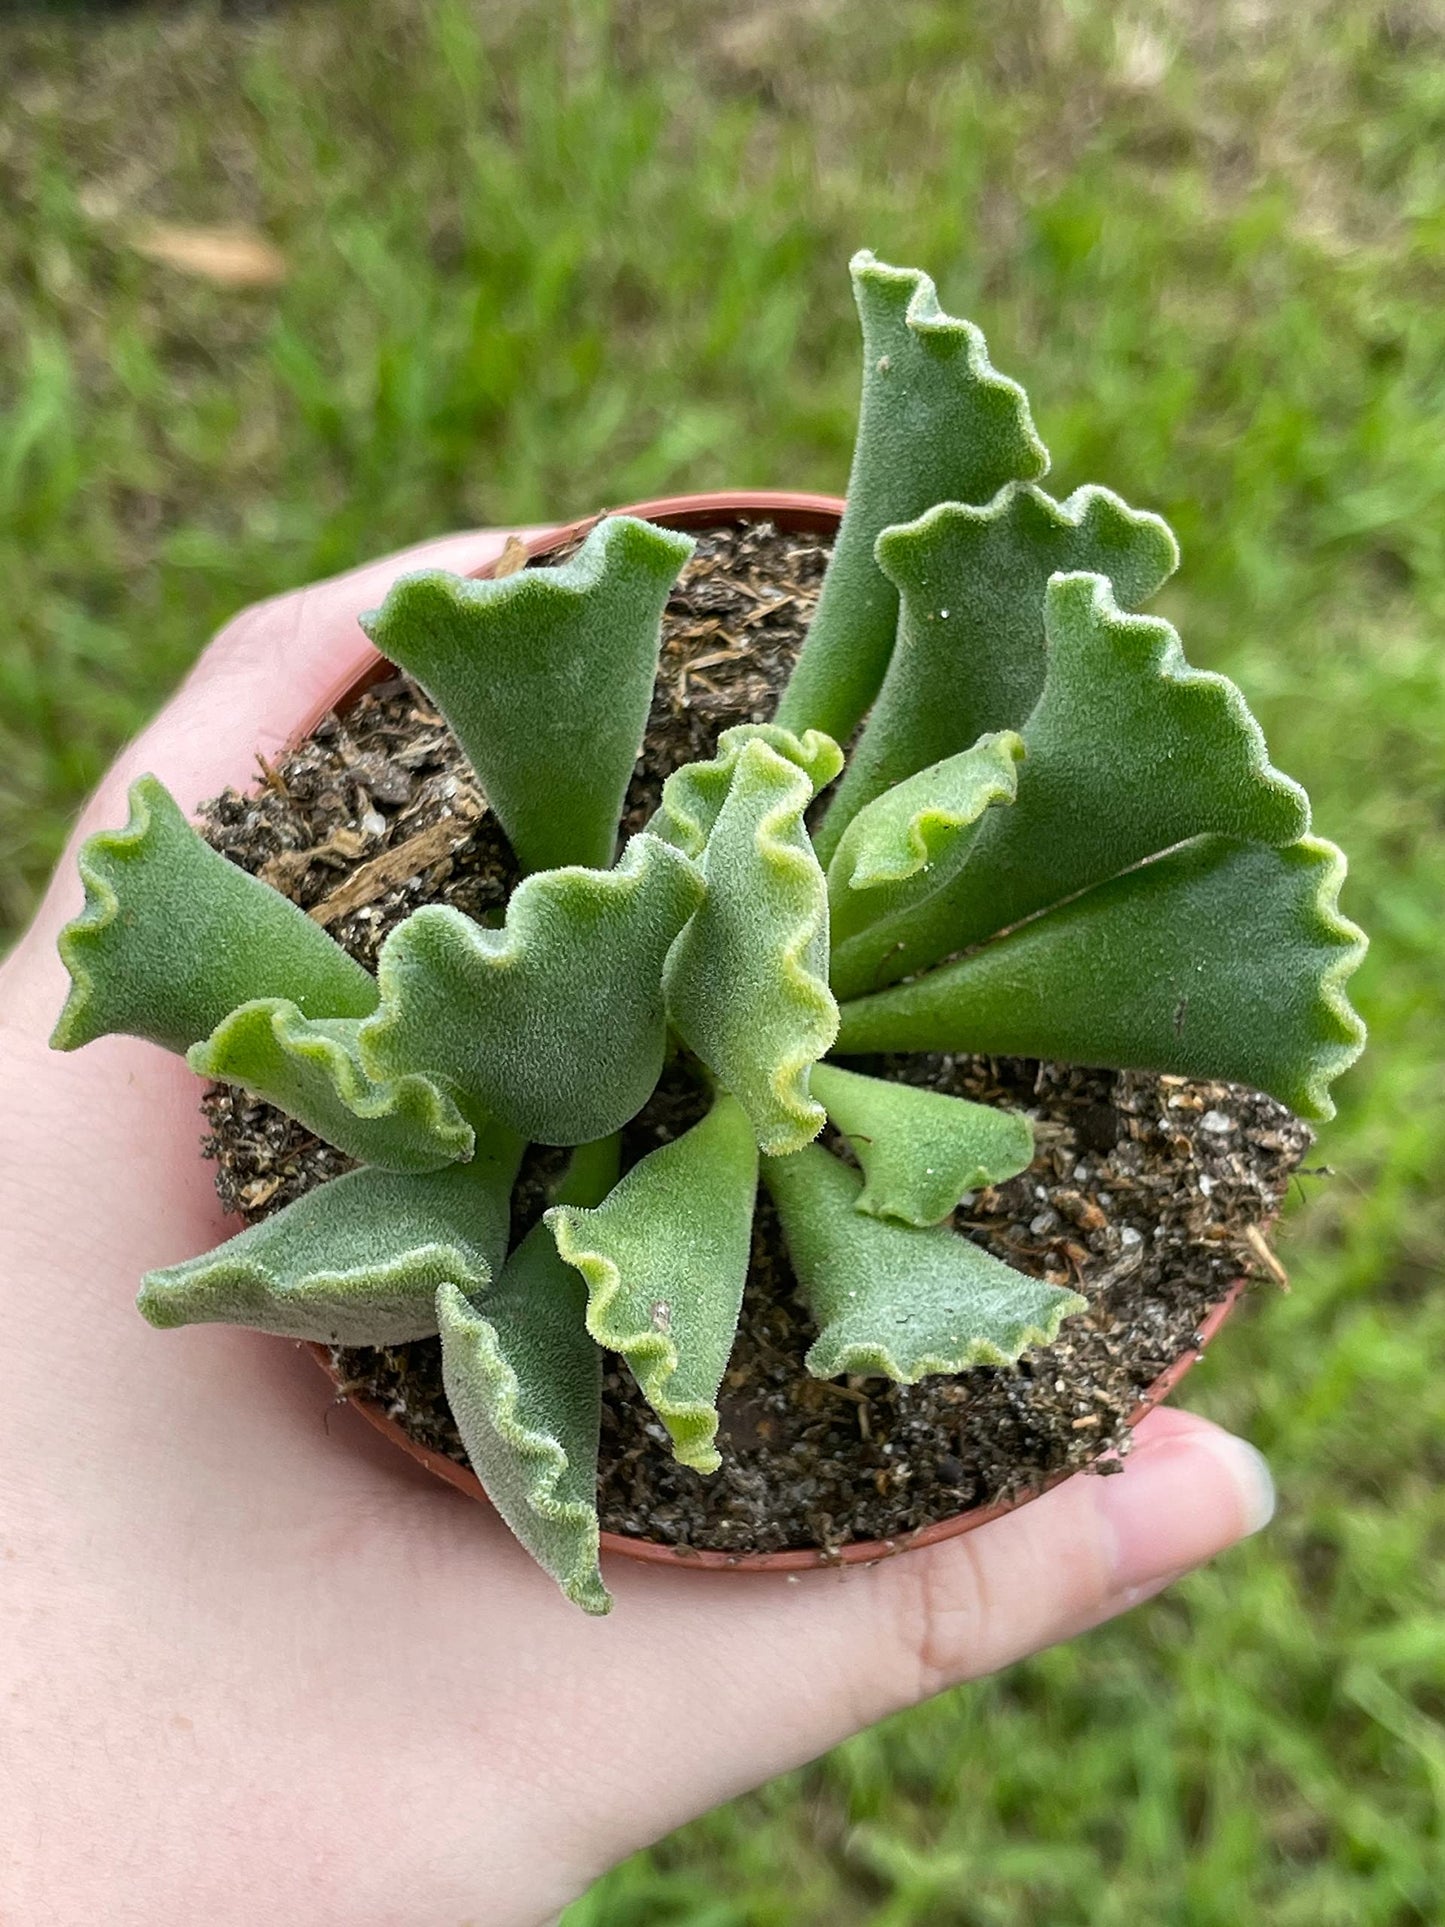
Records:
x=214, y=1583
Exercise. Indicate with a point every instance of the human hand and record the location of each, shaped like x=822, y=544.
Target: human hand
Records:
x=253, y=1662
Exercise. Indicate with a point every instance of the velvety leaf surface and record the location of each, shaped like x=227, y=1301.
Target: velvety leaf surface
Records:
x=1129, y=751
x=896, y=1300
x=524, y=1383
x=546, y=677
x=173, y=937
x=554, y=1024
x=311, y=1069
x=357, y=1261
x=889, y=881
x=936, y=423
x=1220, y=959
x=970, y=651
x=665, y=1257
x=920, y=1150
x=747, y=981
x=693, y=796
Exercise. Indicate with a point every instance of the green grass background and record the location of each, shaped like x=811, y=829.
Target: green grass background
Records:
x=544, y=257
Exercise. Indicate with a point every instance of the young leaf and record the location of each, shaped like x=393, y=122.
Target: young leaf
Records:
x=970, y=652
x=173, y=937
x=311, y=1069
x=524, y=1383
x=889, y=882
x=546, y=677
x=1221, y=960
x=937, y=423
x=921, y=1150
x=893, y=1299
x=693, y=796
x=357, y=1261
x=747, y=981
x=665, y=1257
x=553, y=1024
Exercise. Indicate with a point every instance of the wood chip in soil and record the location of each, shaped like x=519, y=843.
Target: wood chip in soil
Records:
x=1148, y=1194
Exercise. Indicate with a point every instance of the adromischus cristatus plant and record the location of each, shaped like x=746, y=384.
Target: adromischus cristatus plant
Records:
x=1052, y=838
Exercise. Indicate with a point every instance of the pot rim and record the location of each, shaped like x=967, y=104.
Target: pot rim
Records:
x=806, y=514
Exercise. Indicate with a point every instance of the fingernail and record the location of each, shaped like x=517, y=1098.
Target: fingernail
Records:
x=1249, y=1469
x=1179, y=1500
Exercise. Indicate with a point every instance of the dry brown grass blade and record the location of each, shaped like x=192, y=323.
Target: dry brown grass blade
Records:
x=228, y=257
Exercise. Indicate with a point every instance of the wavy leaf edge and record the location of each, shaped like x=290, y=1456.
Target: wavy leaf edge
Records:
x=813, y=993
x=879, y=1361
x=416, y=1273
x=794, y=766
x=1172, y=667
x=1332, y=996
x=544, y=1455
x=924, y=316
x=411, y=1097
x=687, y=816
x=932, y=824
x=571, y=580
x=691, y=1423
x=894, y=546
x=101, y=908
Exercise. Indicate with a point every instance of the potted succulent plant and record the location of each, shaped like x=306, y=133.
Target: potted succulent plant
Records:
x=971, y=824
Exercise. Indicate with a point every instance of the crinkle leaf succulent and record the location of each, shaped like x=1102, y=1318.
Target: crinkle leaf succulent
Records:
x=311, y=1068
x=747, y=980
x=523, y=1378
x=1052, y=837
x=173, y=938
x=664, y=1257
x=962, y=1306
x=556, y=1022
x=546, y=677
x=354, y=1262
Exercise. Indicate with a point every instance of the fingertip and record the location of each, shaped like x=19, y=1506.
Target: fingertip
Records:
x=1186, y=1492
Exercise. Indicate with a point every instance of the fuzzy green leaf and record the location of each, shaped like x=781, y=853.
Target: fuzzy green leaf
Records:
x=173, y=937
x=896, y=1300
x=921, y=1150
x=357, y=1261
x=937, y=423
x=546, y=677
x=889, y=882
x=1129, y=752
x=693, y=796
x=1220, y=959
x=553, y=1024
x=665, y=1257
x=524, y=1383
x=747, y=981
x=311, y=1069
x=970, y=652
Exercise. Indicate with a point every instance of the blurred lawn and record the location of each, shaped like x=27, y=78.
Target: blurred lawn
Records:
x=534, y=270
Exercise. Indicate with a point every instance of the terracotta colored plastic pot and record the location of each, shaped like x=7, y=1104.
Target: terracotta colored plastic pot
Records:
x=806, y=515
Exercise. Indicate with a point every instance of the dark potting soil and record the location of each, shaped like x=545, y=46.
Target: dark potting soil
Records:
x=1148, y=1194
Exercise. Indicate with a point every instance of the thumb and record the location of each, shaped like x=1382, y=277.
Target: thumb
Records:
x=775, y=1673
